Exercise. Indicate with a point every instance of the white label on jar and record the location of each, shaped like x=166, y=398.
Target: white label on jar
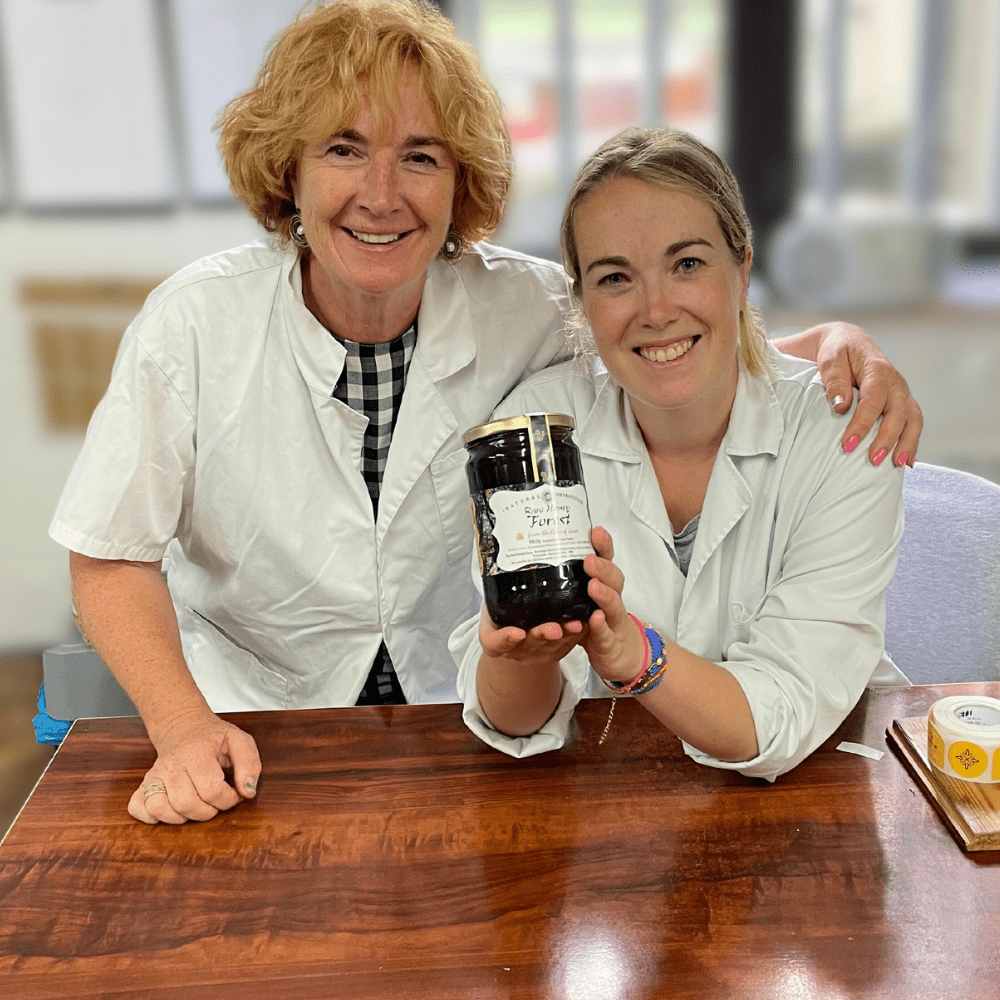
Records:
x=548, y=525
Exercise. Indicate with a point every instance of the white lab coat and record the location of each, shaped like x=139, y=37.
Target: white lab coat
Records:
x=219, y=444
x=795, y=547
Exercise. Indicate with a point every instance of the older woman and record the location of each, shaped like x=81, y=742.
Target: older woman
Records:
x=282, y=430
x=742, y=601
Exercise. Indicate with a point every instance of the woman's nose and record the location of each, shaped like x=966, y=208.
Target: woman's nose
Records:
x=657, y=307
x=379, y=187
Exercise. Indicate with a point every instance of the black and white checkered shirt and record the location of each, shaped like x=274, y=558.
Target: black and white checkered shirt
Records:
x=372, y=383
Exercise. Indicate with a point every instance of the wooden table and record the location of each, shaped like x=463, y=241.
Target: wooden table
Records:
x=391, y=854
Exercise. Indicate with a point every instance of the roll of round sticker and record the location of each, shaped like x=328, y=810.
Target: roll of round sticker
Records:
x=963, y=737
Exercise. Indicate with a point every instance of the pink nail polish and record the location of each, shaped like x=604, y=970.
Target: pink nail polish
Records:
x=901, y=461
x=851, y=443
x=879, y=455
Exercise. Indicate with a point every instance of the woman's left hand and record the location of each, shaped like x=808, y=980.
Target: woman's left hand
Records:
x=847, y=357
x=615, y=644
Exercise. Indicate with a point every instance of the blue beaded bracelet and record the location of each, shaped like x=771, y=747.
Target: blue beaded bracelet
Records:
x=652, y=674
x=647, y=680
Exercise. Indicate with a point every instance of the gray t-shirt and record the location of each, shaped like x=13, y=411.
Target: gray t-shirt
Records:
x=684, y=543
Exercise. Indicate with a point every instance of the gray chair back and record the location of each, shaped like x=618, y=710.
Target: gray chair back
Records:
x=943, y=604
x=79, y=686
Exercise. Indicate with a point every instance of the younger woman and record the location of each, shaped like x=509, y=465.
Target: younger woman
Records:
x=742, y=558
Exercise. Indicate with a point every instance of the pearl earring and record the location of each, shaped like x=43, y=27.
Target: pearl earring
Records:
x=298, y=232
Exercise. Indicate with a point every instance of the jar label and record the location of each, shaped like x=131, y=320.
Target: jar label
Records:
x=546, y=525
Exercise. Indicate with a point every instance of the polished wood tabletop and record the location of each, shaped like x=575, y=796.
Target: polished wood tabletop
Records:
x=391, y=854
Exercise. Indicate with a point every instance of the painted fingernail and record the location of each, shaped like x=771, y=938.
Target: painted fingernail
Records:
x=901, y=461
x=250, y=786
x=837, y=400
x=879, y=455
x=851, y=443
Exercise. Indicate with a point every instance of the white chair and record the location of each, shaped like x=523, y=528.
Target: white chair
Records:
x=943, y=604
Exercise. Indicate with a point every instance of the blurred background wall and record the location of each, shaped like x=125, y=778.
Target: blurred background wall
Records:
x=865, y=134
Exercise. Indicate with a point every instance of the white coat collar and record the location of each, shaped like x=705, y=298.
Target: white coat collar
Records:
x=319, y=356
x=755, y=427
x=610, y=431
x=445, y=339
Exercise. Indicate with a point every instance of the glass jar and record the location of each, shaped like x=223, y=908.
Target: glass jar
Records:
x=532, y=523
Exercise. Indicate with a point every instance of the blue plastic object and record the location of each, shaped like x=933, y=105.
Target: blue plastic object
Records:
x=47, y=729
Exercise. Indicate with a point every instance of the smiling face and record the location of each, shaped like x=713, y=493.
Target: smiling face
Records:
x=662, y=295
x=376, y=206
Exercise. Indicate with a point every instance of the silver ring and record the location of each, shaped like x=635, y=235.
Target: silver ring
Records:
x=154, y=788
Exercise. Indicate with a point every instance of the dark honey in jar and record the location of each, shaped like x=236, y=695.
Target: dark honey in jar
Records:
x=532, y=523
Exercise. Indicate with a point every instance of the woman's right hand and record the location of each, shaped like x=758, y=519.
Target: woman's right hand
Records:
x=189, y=765
x=543, y=644
x=518, y=680
x=128, y=616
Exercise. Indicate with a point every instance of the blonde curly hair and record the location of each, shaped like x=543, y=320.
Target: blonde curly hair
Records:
x=313, y=82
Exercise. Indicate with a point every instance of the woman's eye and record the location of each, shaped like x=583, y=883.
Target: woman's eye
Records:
x=423, y=159
x=688, y=264
x=614, y=278
x=340, y=150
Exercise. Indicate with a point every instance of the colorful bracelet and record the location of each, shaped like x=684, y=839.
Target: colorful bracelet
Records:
x=624, y=687
x=658, y=666
x=654, y=662
x=654, y=666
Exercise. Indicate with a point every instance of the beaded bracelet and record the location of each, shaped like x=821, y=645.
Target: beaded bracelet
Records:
x=658, y=666
x=654, y=666
x=654, y=662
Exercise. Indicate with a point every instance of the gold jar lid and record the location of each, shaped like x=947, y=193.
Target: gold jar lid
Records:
x=520, y=422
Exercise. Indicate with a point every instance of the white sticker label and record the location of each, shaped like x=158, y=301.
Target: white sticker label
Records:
x=861, y=750
x=548, y=525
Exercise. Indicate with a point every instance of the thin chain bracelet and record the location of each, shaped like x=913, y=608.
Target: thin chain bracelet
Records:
x=607, y=725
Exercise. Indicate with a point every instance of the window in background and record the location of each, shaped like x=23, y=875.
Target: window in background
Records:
x=692, y=69
x=3, y=155
x=610, y=71
x=908, y=109
x=970, y=141
x=86, y=104
x=879, y=90
x=572, y=73
x=870, y=90
x=901, y=134
x=219, y=46
x=518, y=48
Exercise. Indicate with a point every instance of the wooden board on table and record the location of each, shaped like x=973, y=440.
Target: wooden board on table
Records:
x=971, y=811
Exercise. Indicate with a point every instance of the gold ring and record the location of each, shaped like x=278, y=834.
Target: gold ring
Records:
x=154, y=788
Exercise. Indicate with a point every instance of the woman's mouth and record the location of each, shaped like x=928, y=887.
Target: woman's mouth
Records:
x=661, y=354
x=376, y=238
